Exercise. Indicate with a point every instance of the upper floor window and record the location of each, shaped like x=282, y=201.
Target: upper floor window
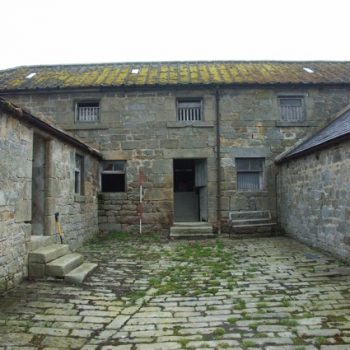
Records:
x=189, y=110
x=113, y=176
x=250, y=173
x=79, y=175
x=292, y=108
x=87, y=111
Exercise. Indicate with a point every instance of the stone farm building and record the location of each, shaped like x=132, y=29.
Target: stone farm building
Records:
x=204, y=137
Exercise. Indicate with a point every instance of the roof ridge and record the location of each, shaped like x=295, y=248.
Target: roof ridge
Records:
x=91, y=64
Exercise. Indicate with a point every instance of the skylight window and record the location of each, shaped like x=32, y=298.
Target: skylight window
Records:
x=30, y=75
x=309, y=70
x=135, y=70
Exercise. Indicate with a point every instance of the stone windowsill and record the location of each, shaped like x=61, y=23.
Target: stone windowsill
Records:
x=307, y=123
x=79, y=198
x=197, y=124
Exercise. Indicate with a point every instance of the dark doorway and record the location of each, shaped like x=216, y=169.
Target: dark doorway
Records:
x=190, y=190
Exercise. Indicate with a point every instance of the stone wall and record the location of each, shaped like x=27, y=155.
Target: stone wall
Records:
x=314, y=194
x=15, y=199
x=141, y=128
x=78, y=213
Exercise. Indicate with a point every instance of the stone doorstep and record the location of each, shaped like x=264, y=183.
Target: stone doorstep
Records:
x=191, y=236
x=79, y=274
x=49, y=253
x=191, y=230
x=39, y=241
x=61, y=266
x=191, y=224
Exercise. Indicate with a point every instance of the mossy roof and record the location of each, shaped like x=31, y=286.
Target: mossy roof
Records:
x=154, y=74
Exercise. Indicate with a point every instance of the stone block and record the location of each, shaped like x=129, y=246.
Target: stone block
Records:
x=36, y=270
x=23, y=210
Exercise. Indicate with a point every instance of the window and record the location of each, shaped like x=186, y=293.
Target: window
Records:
x=87, y=112
x=249, y=173
x=79, y=175
x=189, y=110
x=113, y=176
x=292, y=108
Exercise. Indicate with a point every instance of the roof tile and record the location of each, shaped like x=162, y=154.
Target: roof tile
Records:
x=174, y=73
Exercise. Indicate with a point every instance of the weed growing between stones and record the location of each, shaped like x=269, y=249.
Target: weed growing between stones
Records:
x=218, y=333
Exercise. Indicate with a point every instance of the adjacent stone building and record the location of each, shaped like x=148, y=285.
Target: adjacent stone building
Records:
x=43, y=170
x=314, y=188
x=202, y=136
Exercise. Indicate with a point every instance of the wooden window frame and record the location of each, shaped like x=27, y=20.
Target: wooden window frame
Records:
x=192, y=115
x=114, y=172
x=259, y=171
x=87, y=102
x=79, y=175
x=288, y=119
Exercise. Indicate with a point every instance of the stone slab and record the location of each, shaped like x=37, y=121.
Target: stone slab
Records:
x=48, y=253
x=79, y=274
x=61, y=266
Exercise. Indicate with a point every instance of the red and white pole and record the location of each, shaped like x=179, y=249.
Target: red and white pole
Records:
x=141, y=208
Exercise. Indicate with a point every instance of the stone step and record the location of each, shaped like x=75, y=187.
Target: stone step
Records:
x=191, y=224
x=79, y=274
x=61, y=266
x=39, y=241
x=191, y=229
x=198, y=231
x=253, y=225
x=46, y=254
x=180, y=235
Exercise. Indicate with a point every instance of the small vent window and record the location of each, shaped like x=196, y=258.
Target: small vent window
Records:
x=113, y=176
x=87, y=112
x=249, y=173
x=189, y=110
x=292, y=109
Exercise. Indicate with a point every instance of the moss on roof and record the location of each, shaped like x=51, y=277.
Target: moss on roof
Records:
x=144, y=74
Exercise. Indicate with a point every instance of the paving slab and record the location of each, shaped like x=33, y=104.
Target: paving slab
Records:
x=150, y=293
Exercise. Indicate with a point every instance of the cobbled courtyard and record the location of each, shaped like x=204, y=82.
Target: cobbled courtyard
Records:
x=263, y=293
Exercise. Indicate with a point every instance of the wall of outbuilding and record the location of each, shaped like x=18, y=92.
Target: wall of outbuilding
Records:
x=78, y=214
x=313, y=199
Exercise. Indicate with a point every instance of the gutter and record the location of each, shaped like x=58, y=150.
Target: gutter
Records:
x=167, y=87
x=25, y=116
x=218, y=160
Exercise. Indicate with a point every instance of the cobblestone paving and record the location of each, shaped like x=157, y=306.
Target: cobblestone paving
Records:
x=267, y=293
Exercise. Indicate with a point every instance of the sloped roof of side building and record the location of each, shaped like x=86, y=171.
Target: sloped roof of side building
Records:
x=157, y=74
x=44, y=125
x=334, y=132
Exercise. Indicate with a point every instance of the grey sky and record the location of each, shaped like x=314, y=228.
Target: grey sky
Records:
x=85, y=31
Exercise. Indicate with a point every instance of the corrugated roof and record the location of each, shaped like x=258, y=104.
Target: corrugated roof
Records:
x=148, y=74
x=337, y=129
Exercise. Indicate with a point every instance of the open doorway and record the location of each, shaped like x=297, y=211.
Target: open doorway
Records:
x=190, y=190
x=38, y=185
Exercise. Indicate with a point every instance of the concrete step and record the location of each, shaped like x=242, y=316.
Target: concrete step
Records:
x=39, y=241
x=46, y=254
x=61, y=266
x=79, y=274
